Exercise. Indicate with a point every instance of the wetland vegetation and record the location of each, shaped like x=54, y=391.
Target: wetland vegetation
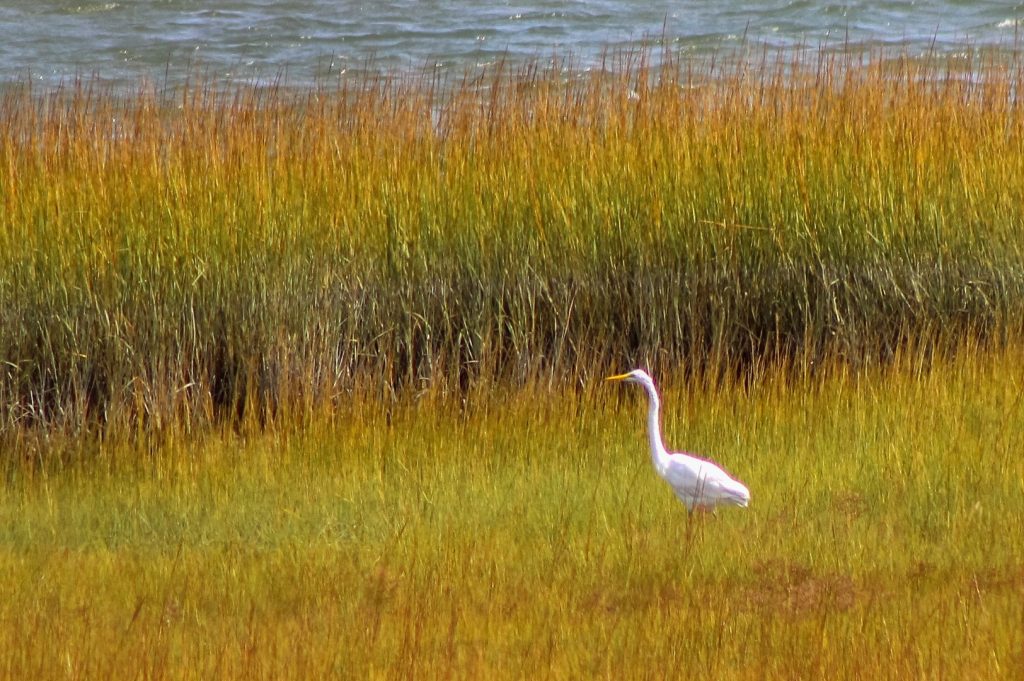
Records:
x=299, y=384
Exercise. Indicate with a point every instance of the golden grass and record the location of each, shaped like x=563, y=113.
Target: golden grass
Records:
x=528, y=537
x=184, y=258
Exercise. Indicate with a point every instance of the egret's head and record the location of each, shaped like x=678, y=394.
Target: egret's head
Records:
x=635, y=376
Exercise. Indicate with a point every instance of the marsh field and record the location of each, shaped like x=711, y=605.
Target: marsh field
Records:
x=301, y=384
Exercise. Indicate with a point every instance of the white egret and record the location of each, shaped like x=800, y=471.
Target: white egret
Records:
x=700, y=484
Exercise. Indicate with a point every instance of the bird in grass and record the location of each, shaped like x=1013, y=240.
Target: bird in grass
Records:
x=700, y=484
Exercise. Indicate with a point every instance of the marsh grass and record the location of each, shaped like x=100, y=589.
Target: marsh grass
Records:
x=529, y=537
x=214, y=254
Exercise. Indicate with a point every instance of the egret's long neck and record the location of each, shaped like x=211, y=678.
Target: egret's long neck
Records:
x=658, y=453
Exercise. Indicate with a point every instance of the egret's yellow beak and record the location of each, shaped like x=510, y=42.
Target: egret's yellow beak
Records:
x=619, y=377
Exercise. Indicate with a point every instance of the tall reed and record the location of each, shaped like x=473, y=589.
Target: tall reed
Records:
x=177, y=258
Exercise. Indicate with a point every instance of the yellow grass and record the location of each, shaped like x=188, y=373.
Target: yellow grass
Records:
x=529, y=537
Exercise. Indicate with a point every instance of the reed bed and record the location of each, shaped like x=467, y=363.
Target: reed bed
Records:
x=217, y=253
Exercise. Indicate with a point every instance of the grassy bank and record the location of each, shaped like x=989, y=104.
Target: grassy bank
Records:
x=531, y=539
x=195, y=256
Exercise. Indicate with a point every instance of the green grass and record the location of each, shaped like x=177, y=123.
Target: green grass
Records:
x=185, y=258
x=526, y=535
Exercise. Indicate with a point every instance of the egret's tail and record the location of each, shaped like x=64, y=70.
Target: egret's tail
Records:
x=738, y=494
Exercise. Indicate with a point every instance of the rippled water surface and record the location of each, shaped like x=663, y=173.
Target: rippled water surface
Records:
x=124, y=41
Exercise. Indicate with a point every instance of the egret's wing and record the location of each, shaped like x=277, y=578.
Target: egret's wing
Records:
x=683, y=473
x=699, y=481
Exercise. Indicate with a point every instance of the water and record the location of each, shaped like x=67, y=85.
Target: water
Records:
x=303, y=40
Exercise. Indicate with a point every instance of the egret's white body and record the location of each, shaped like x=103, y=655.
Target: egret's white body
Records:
x=700, y=484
